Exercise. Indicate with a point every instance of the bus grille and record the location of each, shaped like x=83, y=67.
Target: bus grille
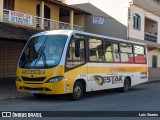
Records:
x=27, y=88
x=41, y=88
x=39, y=79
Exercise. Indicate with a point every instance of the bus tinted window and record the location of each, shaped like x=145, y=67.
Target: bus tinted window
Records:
x=126, y=53
x=96, y=50
x=139, y=54
x=111, y=52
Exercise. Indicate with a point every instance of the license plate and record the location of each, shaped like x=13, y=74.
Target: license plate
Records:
x=34, y=91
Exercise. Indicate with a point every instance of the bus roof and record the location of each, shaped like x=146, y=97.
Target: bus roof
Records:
x=70, y=32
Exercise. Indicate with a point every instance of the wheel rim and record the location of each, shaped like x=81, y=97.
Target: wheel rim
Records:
x=77, y=91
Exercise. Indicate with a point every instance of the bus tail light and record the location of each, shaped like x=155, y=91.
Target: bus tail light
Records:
x=55, y=79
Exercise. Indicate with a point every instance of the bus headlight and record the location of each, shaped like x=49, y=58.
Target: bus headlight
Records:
x=18, y=79
x=55, y=79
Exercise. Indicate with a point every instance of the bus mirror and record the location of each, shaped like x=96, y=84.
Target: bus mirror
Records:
x=77, y=46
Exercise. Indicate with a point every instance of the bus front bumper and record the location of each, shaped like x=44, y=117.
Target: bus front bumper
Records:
x=41, y=88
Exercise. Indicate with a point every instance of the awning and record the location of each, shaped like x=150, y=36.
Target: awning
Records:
x=16, y=32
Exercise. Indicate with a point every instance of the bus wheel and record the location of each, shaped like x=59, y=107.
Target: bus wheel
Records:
x=126, y=85
x=39, y=95
x=77, y=91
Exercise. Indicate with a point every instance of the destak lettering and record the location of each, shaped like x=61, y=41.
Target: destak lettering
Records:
x=33, y=72
x=117, y=79
x=100, y=80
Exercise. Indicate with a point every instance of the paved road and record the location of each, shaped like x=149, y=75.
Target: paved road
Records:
x=145, y=97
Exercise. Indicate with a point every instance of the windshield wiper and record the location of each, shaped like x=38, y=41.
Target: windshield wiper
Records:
x=40, y=52
x=44, y=60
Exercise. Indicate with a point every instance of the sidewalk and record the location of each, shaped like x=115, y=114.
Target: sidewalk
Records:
x=8, y=89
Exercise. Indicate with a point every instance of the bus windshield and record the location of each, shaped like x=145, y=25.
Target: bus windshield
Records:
x=43, y=52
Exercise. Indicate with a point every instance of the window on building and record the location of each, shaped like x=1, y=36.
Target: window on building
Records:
x=136, y=22
x=154, y=61
x=96, y=52
x=9, y=4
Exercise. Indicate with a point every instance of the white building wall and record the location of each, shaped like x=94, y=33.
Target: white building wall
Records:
x=133, y=33
x=139, y=34
x=151, y=26
x=150, y=55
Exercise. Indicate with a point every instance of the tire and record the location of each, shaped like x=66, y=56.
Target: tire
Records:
x=40, y=95
x=77, y=91
x=126, y=85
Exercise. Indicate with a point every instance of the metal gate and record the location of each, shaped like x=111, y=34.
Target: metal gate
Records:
x=9, y=55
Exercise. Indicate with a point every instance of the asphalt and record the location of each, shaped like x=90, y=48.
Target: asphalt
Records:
x=8, y=89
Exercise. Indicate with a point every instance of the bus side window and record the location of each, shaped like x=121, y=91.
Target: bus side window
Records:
x=96, y=52
x=111, y=52
x=139, y=54
x=75, y=53
x=126, y=53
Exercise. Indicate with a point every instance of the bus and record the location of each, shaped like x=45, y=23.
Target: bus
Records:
x=74, y=62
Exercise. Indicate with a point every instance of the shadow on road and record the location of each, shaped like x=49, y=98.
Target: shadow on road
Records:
x=88, y=95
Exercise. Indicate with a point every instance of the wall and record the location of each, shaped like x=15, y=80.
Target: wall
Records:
x=151, y=53
x=118, y=9
x=154, y=72
x=64, y=19
x=151, y=26
x=111, y=26
x=133, y=33
x=78, y=19
x=29, y=7
x=143, y=14
x=1, y=10
x=26, y=6
x=54, y=11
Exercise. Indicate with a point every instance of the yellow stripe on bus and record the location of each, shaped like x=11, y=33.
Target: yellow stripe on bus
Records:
x=93, y=70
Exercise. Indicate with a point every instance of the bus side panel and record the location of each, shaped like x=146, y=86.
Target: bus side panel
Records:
x=100, y=77
x=106, y=76
x=79, y=73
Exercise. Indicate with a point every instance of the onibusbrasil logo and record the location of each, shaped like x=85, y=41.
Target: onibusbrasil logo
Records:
x=21, y=114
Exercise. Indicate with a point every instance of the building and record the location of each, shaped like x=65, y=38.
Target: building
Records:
x=136, y=20
x=19, y=19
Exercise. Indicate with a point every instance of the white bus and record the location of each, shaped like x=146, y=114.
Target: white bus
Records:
x=74, y=62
